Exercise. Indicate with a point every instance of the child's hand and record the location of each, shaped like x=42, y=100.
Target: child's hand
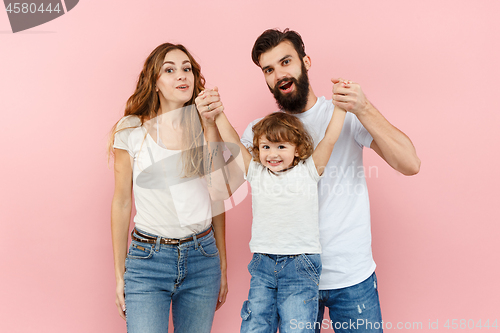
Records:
x=348, y=96
x=209, y=105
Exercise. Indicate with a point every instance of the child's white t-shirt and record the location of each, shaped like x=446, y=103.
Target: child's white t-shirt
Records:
x=285, y=209
x=344, y=206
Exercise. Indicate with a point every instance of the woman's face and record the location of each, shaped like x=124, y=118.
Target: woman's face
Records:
x=176, y=82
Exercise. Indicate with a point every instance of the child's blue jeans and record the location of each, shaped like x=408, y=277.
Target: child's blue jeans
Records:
x=186, y=275
x=283, y=293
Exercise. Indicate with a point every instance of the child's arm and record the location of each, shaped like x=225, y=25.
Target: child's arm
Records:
x=322, y=153
x=229, y=135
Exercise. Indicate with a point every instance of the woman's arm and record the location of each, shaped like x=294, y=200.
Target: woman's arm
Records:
x=121, y=208
x=219, y=225
x=322, y=153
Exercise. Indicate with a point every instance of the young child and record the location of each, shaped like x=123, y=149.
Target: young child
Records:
x=283, y=174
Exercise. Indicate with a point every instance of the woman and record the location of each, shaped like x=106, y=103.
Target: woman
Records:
x=174, y=258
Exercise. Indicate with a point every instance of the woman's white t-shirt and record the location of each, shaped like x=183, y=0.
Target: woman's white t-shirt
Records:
x=167, y=204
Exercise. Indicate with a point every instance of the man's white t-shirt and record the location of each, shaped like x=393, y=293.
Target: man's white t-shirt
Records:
x=344, y=207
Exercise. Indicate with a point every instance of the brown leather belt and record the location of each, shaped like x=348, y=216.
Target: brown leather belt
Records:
x=168, y=241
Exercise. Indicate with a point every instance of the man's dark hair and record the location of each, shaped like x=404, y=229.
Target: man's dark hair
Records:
x=272, y=37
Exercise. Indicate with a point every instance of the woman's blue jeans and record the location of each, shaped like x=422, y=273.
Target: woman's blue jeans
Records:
x=186, y=276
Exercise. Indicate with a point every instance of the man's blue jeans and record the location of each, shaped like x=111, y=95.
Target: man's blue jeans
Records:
x=283, y=292
x=352, y=309
x=186, y=275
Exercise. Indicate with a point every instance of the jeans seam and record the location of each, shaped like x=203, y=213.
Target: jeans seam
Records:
x=202, y=250
x=149, y=252
x=254, y=263
x=311, y=271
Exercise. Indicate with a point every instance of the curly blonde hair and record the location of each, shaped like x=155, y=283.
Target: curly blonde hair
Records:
x=283, y=127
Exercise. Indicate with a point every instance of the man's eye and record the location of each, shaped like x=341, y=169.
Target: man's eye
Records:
x=286, y=61
x=268, y=71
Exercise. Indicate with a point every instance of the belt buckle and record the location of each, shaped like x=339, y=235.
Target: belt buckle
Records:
x=170, y=241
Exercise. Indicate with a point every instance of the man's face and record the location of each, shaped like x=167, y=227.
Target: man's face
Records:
x=286, y=76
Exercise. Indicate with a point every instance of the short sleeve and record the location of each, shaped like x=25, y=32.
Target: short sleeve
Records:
x=122, y=134
x=311, y=168
x=361, y=135
x=247, y=137
x=252, y=169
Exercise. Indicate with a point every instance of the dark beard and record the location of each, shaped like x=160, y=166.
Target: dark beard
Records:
x=296, y=101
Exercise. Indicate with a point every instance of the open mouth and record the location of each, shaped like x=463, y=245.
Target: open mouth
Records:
x=274, y=163
x=286, y=86
x=183, y=87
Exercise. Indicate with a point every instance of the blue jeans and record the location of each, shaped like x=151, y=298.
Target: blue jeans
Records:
x=283, y=293
x=186, y=275
x=352, y=309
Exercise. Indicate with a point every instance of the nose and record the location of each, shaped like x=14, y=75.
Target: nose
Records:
x=274, y=152
x=182, y=76
x=280, y=74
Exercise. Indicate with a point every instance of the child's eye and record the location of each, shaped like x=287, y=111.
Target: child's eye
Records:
x=281, y=147
x=265, y=147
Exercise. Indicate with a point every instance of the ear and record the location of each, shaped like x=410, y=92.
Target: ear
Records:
x=296, y=152
x=307, y=61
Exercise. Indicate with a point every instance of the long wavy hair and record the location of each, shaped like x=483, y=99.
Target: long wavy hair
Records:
x=145, y=104
x=283, y=127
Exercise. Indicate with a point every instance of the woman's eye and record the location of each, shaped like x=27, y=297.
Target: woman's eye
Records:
x=187, y=69
x=169, y=70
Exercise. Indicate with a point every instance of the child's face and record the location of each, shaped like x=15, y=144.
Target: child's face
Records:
x=276, y=156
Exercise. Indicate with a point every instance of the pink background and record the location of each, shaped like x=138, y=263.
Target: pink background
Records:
x=431, y=67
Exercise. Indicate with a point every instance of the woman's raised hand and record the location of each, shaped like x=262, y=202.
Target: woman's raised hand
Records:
x=209, y=105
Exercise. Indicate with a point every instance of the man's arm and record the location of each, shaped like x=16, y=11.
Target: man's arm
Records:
x=388, y=142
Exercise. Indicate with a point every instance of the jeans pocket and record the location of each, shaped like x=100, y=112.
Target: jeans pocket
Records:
x=245, y=310
x=309, y=265
x=254, y=262
x=138, y=250
x=209, y=248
